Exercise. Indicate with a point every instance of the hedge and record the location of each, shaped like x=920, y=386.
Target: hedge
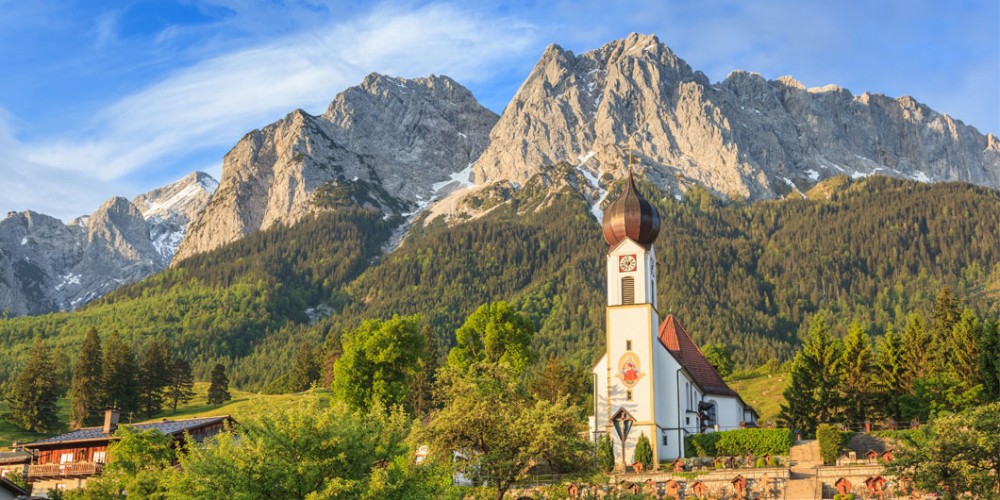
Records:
x=739, y=442
x=831, y=441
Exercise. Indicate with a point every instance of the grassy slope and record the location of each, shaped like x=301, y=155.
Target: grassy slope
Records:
x=242, y=405
x=763, y=393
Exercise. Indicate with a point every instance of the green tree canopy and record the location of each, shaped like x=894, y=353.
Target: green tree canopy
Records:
x=494, y=333
x=380, y=362
x=960, y=456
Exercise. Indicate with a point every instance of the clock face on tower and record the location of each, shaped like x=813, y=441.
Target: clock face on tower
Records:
x=626, y=263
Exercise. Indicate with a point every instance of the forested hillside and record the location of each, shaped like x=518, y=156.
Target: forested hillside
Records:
x=744, y=274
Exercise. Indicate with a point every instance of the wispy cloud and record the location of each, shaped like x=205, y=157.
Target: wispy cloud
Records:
x=214, y=102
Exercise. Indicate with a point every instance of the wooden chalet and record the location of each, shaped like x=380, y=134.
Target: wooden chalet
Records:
x=66, y=461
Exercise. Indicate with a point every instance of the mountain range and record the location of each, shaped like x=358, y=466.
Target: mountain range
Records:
x=417, y=150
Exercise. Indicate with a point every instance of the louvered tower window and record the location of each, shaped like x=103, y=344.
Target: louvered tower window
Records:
x=628, y=290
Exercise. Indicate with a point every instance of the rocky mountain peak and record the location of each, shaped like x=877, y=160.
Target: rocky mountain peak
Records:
x=744, y=137
x=394, y=142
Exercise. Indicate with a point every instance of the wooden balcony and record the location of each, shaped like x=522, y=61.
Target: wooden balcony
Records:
x=77, y=469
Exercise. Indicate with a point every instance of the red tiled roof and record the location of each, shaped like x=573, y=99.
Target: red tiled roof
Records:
x=673, y=336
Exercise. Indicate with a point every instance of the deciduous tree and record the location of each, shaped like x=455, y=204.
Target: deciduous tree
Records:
x=380, y=362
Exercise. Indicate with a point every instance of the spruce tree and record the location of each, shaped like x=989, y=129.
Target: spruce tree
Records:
x=811, y=397
x=305, y=369
x=120, y=375
x=966, y=337
x=989, y=360
x=31, y=398
x=890, y=384
x=85, y=393
x=643, y=452
x=154, y=377
x=181, y=383
x=916, y=344
x=218, y=391
x=856, y=376
x=945, y=315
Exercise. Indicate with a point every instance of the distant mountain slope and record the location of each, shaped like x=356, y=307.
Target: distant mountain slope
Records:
x=747, y=274
x=47, y=266
x=743, y=137
x=382, y=144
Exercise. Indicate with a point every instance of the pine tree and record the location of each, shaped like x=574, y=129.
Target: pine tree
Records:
x=305, y=370
x=643, y=452
x=85, y=393
x=891, y=382
x=945, y=315
x=605, y=454
x=965, y=339
x=989, y=361
x=154, y=377
x=856, y=375
x=916, y=344
x=218, y=391
x=811, y=397
x=31, y=398
x=120, y=379
x=181, y=383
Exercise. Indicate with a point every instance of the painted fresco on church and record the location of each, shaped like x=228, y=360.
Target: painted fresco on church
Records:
x=629, y=370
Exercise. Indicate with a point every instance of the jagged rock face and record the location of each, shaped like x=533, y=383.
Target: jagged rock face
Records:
x=47, y=266
x=745, y=136
x=170, y=209
x=397, y=140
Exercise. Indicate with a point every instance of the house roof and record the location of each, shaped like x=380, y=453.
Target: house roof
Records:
x=14, y=457
x=9, y=485
x=673, y=336
x=169, y=427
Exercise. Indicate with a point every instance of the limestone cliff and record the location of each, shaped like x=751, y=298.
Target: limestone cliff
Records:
x=393, y=142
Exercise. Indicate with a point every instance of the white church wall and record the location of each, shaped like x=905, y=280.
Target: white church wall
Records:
x=668, y=373
x=729, y=411
x=643, y=273
x=599, y=421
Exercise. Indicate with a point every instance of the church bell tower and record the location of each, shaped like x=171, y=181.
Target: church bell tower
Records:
x=631, y=225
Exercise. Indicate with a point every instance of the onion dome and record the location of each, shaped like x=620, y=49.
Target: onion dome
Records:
x=631, y=216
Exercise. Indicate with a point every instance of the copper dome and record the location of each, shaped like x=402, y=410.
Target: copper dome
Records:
x=631, y=216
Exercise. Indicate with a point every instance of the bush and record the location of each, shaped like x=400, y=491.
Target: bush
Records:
x=831, y=440
x=643, y=452
x=605, y=454
x=740, y=442
x=772, y=462
x=760, y=464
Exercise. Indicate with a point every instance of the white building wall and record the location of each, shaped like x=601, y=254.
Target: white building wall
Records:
x=729, y=411
x=644, y=274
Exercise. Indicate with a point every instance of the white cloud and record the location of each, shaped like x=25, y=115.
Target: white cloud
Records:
x=214, y=102
x=29, y=185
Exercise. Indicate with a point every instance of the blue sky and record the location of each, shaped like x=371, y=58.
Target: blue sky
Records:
x=114, y=98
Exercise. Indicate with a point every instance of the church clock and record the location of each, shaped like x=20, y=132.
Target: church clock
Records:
x=626, y=263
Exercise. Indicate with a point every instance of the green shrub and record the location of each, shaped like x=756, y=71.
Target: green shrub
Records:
x=760, y=464
x=772, y=462
x=831, y=441
x=740, y=442
x=605, y=454
x=643, y=452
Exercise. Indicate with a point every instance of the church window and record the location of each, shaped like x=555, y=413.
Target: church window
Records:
x=628, y=290
x=628, y=395
x=628, y=345
x=664, y=435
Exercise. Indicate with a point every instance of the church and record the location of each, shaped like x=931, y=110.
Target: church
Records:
x=652, y=379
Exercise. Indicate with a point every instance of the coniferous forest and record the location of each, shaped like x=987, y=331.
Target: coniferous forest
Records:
x=751, y=276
